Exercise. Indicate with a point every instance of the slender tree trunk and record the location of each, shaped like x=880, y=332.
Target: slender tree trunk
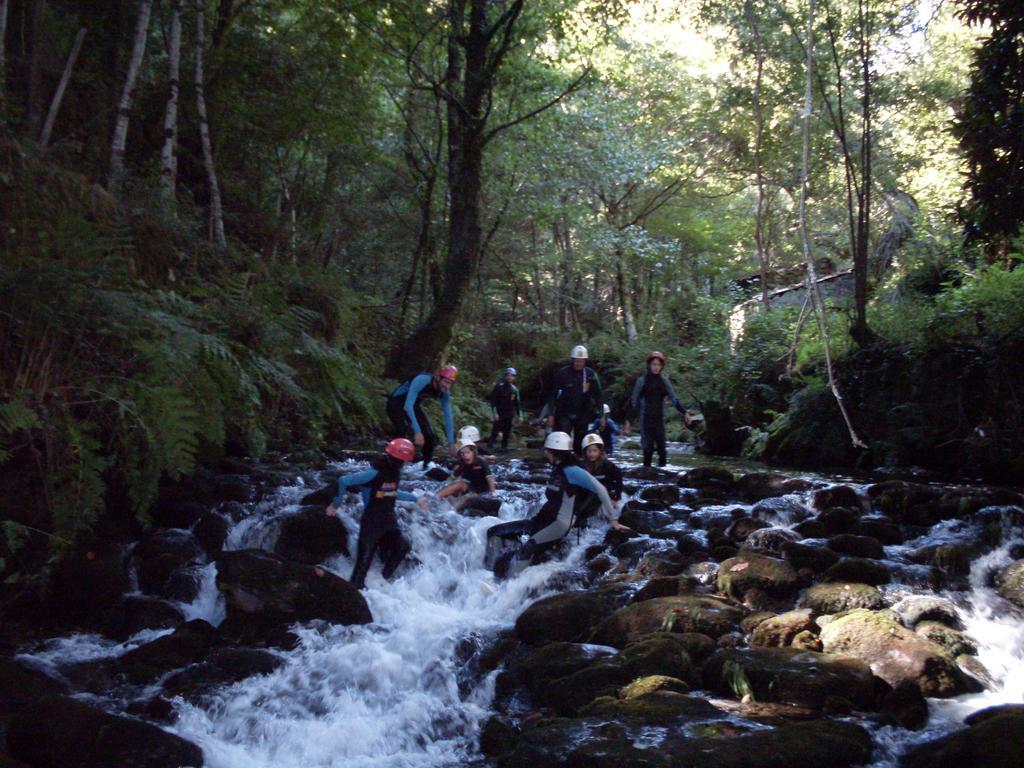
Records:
x=860, y=331
x=216, y=209
x=624, y=301
x=759, y=238
x=58, y=96
x=124, y=109
x=4, y=7
x=35, y=68
x=805, y=239
x=168, y=155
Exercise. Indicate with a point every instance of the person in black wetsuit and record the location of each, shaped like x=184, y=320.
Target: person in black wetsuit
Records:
x=576, y=398
x=505, y=407
x=568, y=486
x=470, y=477
x=647, y=402
x=378, y=528
x=405, y=409
x=607, y=473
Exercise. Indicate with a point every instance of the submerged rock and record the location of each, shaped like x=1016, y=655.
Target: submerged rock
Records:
x=992, y=739
x=310, y=537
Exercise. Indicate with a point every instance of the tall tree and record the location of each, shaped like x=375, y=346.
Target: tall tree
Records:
x=168, y=154
x=4, y=6
x=58, y=96
x=216, y=209
x=115, y=178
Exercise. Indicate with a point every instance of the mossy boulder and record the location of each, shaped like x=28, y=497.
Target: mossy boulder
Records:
x=918, y=608
x=857, y=546
x=655, y=708
x=651, y=684
x=569, y=616
x=857, y=570
x=835, y=598
x=791, y=676
x=881, y=528
x=816, y=559
x=835, y=496
x=567, y=694
x=686, y=613
x=779, y=631
x=663, y=653
x=556, y=660
x=709, y=480
x=1011, y=583
x=770, y=541
x=742, y=527
x=665, y=586
x=894, y=652
x=992, y=739
x=954, y=642
x=666, y=493
x=755, y=486
x=748, y=570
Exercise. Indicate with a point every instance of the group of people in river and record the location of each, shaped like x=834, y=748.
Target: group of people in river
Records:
x=579, y=441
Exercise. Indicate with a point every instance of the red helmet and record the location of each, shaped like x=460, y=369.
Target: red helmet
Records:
x=401, y=449
x=656, y=356
x=447, y=372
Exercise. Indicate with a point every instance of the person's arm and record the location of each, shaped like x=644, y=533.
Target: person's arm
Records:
x=405, y=496
x=598, y=398
x=613, y=426
x=351, y=481
x=417, y=385
x=449, y=420
x=493, y=399
x=614, y=483
x=491, y=485
x=519, y=403
x=670, y=390
x=579, y=477
x=556, y=392
x=634, y=399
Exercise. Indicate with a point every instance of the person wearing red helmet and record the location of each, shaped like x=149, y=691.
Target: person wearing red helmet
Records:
x=647, y=402
x=378, y=529
x=405, y=408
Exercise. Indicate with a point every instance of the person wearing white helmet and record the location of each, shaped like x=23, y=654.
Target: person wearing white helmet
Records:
x=470, y=477
x=470, y=434
x=576, y=398
x=505, y=407
x=647, y=403
x=608, y=474
x=568, y=485
x=607, y=432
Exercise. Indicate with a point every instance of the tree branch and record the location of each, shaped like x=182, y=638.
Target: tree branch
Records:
x=572, y=88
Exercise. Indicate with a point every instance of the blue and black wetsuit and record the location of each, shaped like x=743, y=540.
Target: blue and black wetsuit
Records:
x=473, y=475
x=607, y=433
x=576, y=398
x=405, y=409
x=569, y=486
x=649, y=393
x=378, y=529
x=505, y=406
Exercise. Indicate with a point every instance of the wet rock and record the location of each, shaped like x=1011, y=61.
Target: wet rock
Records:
x=781, y=509
x=742, y=527
x=770, y=541
x=498, y=736
x=1011, y=583
x=838, y=520
x=857, y=570
x=817, y=559
x=791, y=676
x=223, y=666
x=86, y=583
x=723, y=552
x=651, y=684
x=915, y=609
x=894, y=652
x=21, y=685
x=858, y=546
x=951, y=559
x=161, y=553
x=666, y=586
x=555, y=660
x=321, y=497
x=756, y=486
x=139, y=612
x=976, y=673
x=481, y=506
x=664, y=493
x=896, y=498
x=649, y=473
x=184, y=584
x=566, y=695
x=839, y=597
x=992, y=739
x=666, y=562
x=211, y=531
x=177, y=514
x=438, y=474
x=881, y=528
x=232, y=488
x=811, y=529
x=835, y=496
x=569, y=617
x=779, y=631
x=666, y=653
x=746, y=571
x=663, y=708
x=561, y=742
x=644, y=520
x=188, y=644
x=688, y=613
x=955, y=643
x=905, y=706
x=265, y=589
x=710, y=479
x=60, y=732
x=310, y=537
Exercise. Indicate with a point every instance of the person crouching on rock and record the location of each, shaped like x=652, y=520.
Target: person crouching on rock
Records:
x=378, y=529
x=470, y=434
x=471, y=476
x=606, y=472
x=568, y=485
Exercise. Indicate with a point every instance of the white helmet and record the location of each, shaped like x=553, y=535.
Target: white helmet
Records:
x=469, y=434
x=591, y=439
x=465, y=444
x=607, y=409
x=558, y=441
x=511, y=372
x=579, y=352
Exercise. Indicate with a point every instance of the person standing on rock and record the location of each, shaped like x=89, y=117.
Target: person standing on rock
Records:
x=647, y=403
x=568, y=485
x=576, y=398
x=505, y=407
x=471, y=476
x=405, y=409
x=607, y=473
x=378, y=529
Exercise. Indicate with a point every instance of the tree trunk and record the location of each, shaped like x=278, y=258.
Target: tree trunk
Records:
x=216, y=209
x=35, y=68
x=4, y=7
x=859, y=331
x=117, y=146
x=58, y=96
x=759, y=244
x=624, y=300
x=168, y=155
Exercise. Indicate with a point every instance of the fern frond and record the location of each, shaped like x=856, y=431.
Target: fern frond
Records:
x=15, y=416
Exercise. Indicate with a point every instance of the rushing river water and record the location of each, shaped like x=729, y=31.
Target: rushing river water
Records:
x=398, y=692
